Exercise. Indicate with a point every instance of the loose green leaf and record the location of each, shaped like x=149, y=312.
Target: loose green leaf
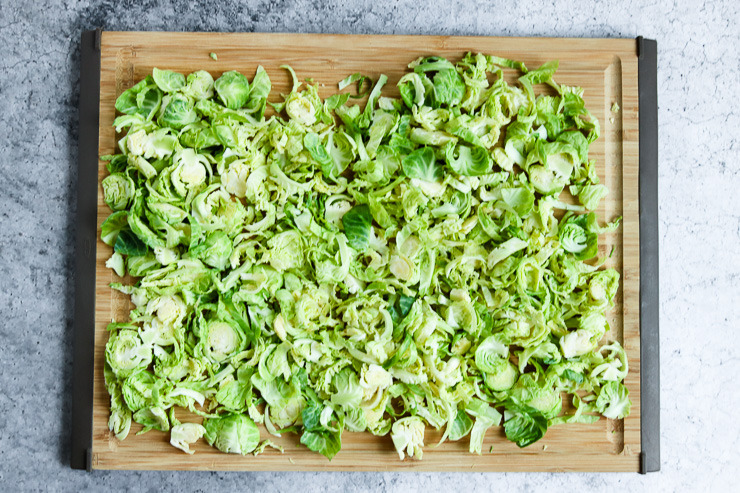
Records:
x=127, y=243
x=258, y=93
x=525, y=425
x=449, y=87
x=233, y=89
x=357, y=224
x=466, y=160
x=422, y=164
x=167, y=80
x=232, y=433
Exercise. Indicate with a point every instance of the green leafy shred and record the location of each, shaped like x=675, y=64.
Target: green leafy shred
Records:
x=379, y=268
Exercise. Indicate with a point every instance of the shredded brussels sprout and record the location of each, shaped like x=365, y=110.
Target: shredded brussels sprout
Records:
x=381, y=268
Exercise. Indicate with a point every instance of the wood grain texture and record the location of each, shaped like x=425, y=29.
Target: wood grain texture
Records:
x=605, y=68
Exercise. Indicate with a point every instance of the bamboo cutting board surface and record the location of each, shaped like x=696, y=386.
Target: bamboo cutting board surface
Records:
x=606, y=69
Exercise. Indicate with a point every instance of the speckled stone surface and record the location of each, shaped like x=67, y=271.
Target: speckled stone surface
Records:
x=699, y=51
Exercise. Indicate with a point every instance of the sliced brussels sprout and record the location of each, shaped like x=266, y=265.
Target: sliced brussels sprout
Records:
x=376, y=267
x=126, y=353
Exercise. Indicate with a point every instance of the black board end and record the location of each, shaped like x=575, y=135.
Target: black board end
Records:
x=87, y=191
x=647, y=53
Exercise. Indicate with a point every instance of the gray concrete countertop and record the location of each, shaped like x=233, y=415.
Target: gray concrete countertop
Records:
x=699, y=51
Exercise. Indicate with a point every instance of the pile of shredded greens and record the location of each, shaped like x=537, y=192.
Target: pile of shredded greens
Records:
x=382, y=268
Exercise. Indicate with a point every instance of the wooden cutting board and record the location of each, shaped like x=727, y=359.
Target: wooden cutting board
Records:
x=606, y=68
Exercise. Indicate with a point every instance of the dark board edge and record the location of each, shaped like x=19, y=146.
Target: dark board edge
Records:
x=647, y=52
x=87, y=193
